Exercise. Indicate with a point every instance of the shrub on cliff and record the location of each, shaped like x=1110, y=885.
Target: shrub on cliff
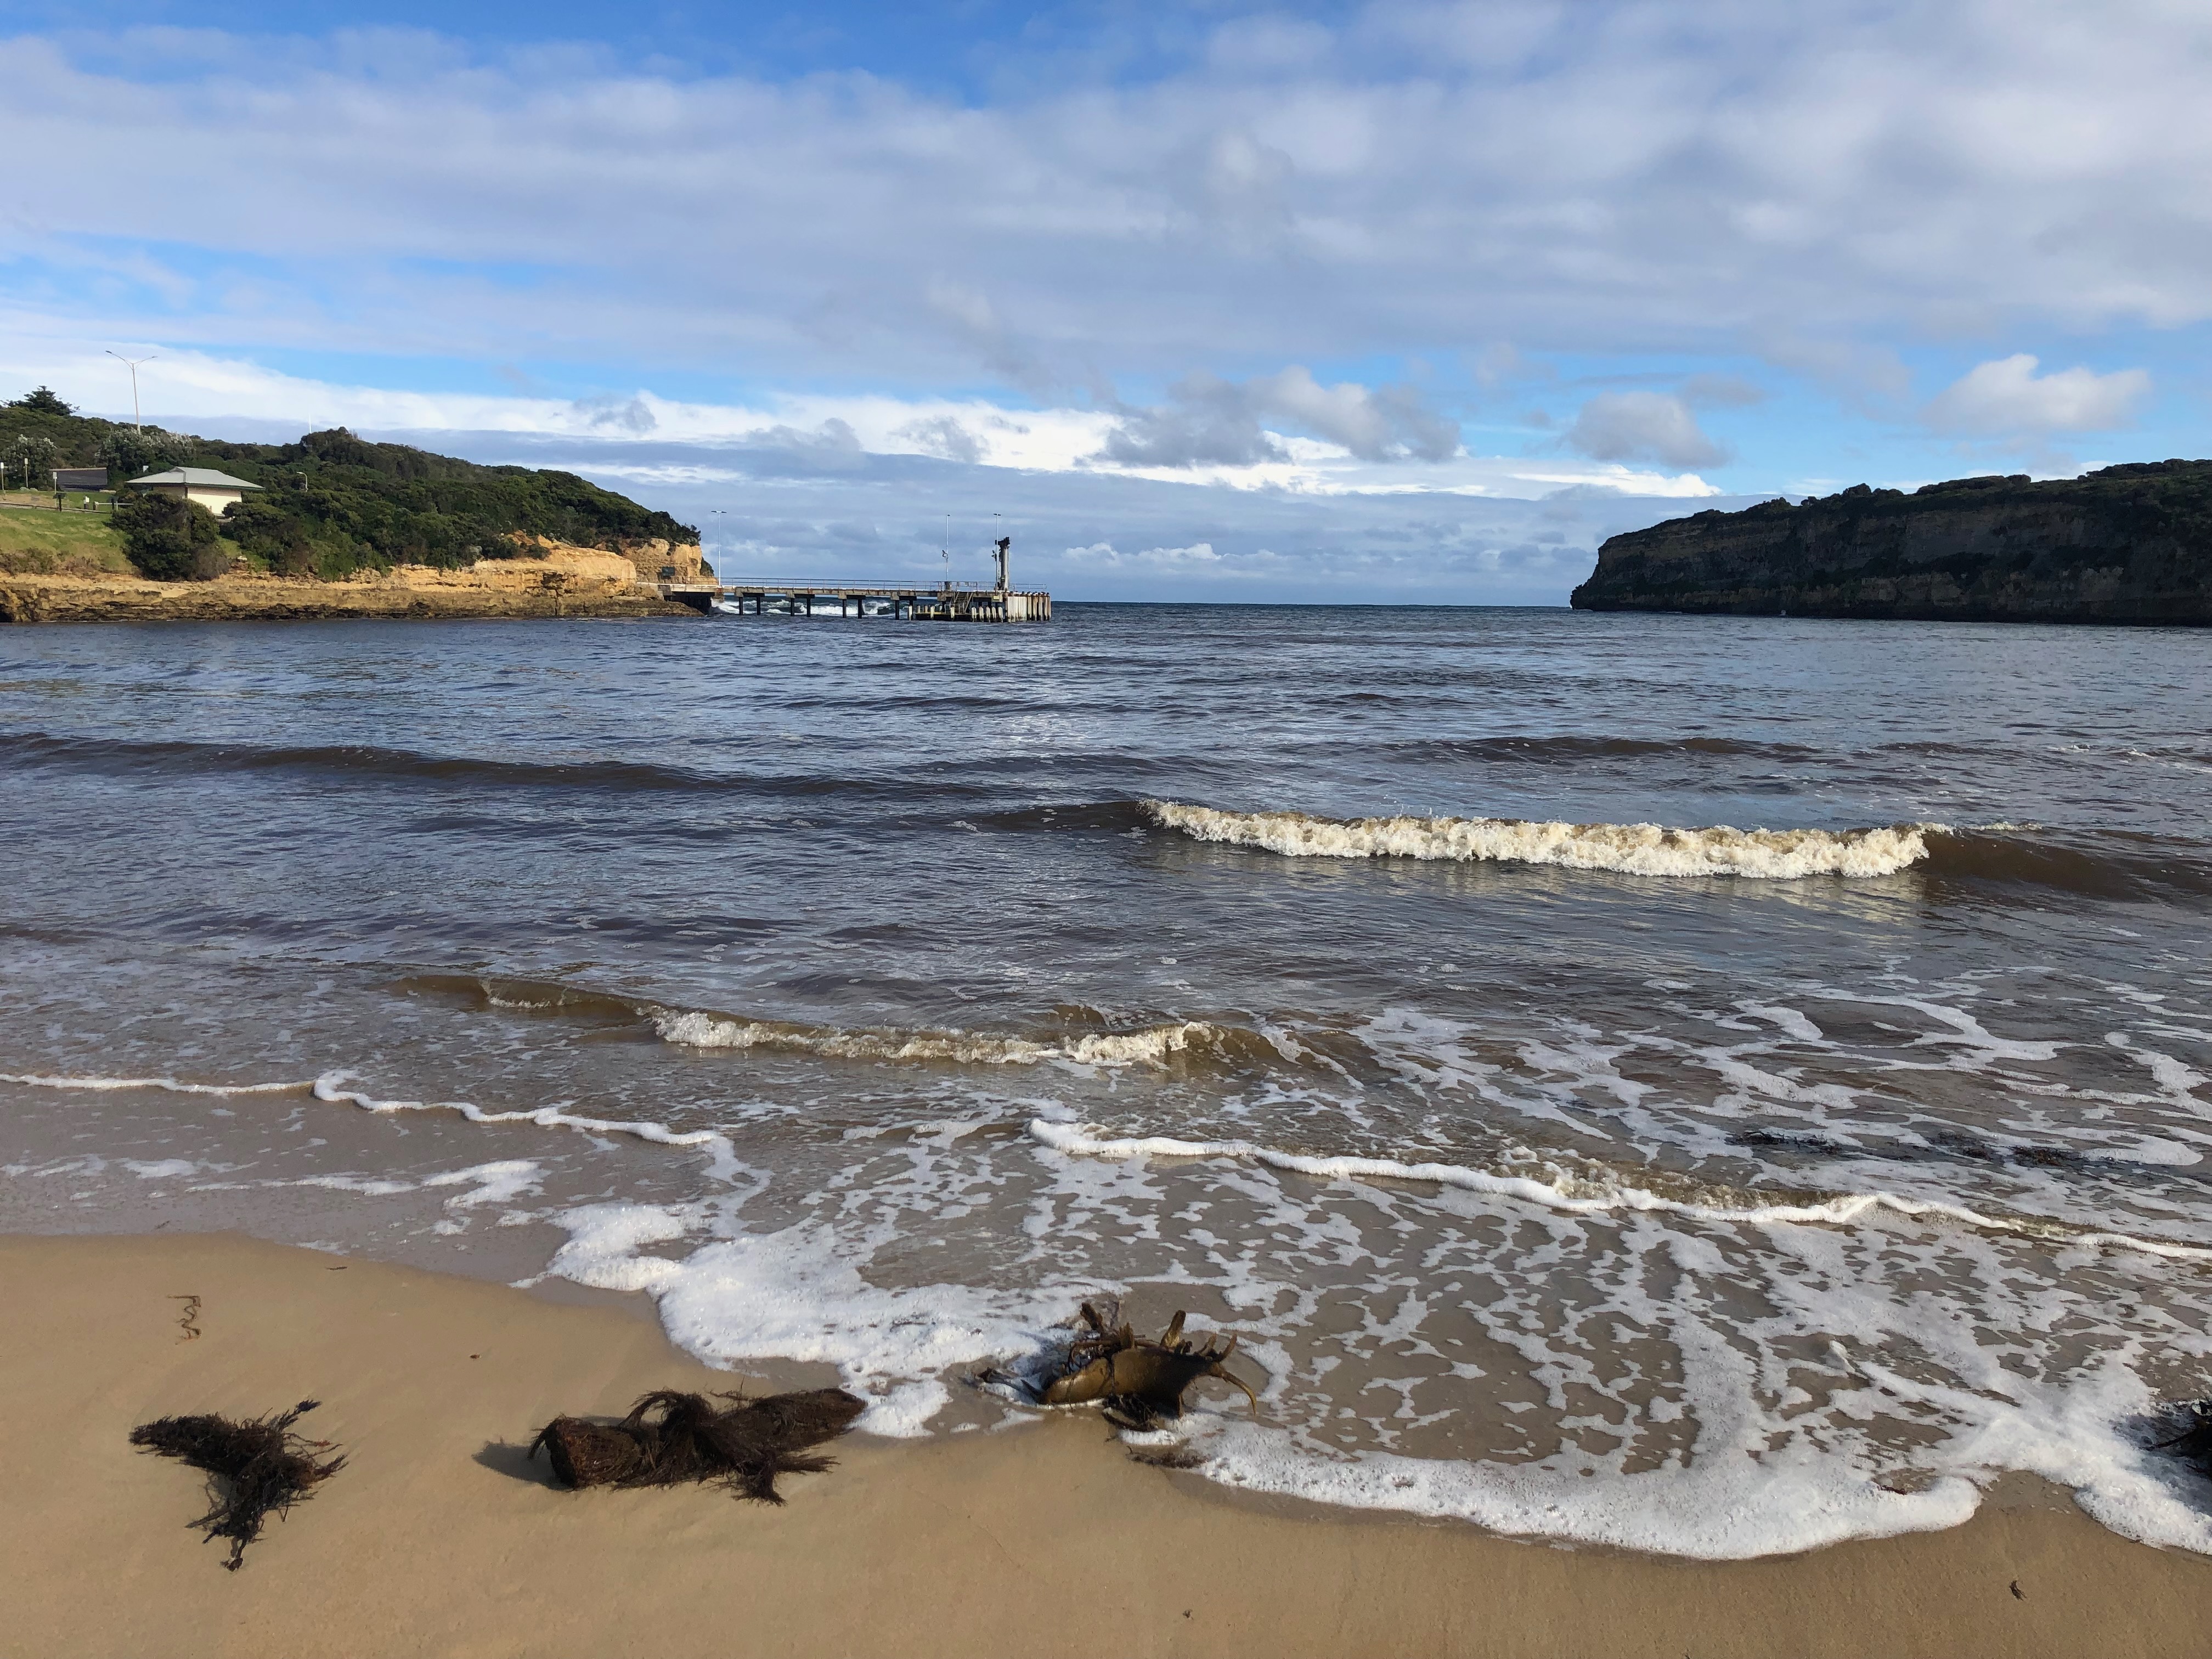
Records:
x=170, y=539
x=127, y=452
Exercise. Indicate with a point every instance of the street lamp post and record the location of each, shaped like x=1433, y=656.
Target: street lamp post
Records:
x=136, y=425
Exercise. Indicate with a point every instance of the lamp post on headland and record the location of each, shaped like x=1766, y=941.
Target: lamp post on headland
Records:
x=136, y=425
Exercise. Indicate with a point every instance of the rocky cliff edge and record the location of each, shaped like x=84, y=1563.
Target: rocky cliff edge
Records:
x=2127, y=544
x=564, y=582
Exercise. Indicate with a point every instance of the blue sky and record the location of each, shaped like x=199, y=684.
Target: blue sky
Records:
x=1341, y=294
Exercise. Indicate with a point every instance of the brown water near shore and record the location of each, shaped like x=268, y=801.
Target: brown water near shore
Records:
x=440, y=1537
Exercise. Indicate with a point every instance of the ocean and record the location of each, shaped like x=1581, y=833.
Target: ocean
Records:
x=1703, y=1085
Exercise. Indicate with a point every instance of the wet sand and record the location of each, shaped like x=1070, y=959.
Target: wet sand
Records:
x=1046, y=1538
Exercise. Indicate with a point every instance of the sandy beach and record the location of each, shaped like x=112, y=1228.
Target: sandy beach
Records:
x=439, y=1538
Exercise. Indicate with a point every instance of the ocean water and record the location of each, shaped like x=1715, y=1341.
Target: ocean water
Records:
x=1713, y=1086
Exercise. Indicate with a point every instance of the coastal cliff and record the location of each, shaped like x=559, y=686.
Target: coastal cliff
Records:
x=2130, y=544
x=561, y=581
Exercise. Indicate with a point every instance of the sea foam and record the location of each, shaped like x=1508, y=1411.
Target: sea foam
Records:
x=1576, y=1198
x=1152, y=1045
x=1637, y=849
x=798, y=1294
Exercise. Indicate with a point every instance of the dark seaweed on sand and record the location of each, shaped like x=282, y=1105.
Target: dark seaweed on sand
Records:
x=669, y=1438
x=252, y=1468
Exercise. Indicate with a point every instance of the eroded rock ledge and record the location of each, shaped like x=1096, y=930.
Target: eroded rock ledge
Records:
x=2127, y=544
x=564, y=583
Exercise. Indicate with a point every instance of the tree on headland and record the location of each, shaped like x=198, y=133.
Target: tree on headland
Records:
x=127, y=452
x=43, y=401
x=169, y=539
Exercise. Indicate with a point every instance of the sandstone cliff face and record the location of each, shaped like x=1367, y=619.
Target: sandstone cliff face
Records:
x=567, y=582
x=2128, y=545
x=676, y=561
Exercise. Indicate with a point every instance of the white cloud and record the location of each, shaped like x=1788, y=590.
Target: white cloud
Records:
x=2006, y=397
x=201, y=390
x=1623, y=426
x=1198, y=556
x=944, y=437
x=1721, y=391
x=1619, y=175
x=1210, y=421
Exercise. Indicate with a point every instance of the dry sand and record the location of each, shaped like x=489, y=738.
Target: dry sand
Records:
x=1044, y=1540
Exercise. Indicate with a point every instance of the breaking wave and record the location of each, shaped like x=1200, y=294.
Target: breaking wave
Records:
x=166, y=1084
x=1574, y=1197
x=1199, y=1041
x=1637, y=849
x=1153, y=1045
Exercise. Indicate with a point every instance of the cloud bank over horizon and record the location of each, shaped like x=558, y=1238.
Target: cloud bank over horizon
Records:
x=1396, y=259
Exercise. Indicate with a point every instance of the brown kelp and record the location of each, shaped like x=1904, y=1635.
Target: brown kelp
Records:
x=252, y=1468
x=671, y=1437
x=1138, y=1382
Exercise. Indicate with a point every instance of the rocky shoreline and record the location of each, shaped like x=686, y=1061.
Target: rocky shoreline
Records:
x=567, y=582
x=2129, y=544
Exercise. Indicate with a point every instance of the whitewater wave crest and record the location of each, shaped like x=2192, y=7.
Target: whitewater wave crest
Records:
x=1637, y=849
x=1575, y=1197
x=1153, y=1046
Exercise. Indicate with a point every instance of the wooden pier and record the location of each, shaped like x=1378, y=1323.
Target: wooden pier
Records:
x=811, y=596
x=803, y=596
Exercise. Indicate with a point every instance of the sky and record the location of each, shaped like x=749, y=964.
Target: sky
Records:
x=1395, y=302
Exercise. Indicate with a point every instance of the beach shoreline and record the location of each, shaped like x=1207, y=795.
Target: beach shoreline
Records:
x=440, y=1537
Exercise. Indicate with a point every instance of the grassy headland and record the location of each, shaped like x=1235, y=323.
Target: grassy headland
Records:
x=36, y=539
x=331, y=503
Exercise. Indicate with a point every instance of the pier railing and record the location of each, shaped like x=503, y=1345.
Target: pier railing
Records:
x=941, y=601
x=825, y=585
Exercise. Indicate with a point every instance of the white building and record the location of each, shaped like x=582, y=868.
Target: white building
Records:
x=218, y=492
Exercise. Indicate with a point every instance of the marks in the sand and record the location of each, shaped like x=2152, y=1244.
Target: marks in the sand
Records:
x=188, y=1318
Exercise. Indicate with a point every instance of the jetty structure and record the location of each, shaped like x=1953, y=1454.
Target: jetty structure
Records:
x=809, y=596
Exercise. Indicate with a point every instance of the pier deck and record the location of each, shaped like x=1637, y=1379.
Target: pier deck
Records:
x=806, y=596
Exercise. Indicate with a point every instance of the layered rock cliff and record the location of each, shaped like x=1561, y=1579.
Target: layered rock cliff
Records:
x=563, y=582
x=2128, y=545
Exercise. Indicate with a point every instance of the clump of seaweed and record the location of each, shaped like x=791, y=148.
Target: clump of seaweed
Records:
x=252, y=1468
x=1138, y=1382
x=669, y=1437
x=2193, y=1445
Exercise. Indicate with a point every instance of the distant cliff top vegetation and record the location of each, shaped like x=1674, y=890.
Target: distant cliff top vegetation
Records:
x=2172, y=497
x=332, y=502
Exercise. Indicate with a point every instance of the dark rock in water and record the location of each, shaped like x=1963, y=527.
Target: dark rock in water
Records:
x=2128, y=545
x=669, y=1438
x=252, y=1468
x=2193, y=1445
